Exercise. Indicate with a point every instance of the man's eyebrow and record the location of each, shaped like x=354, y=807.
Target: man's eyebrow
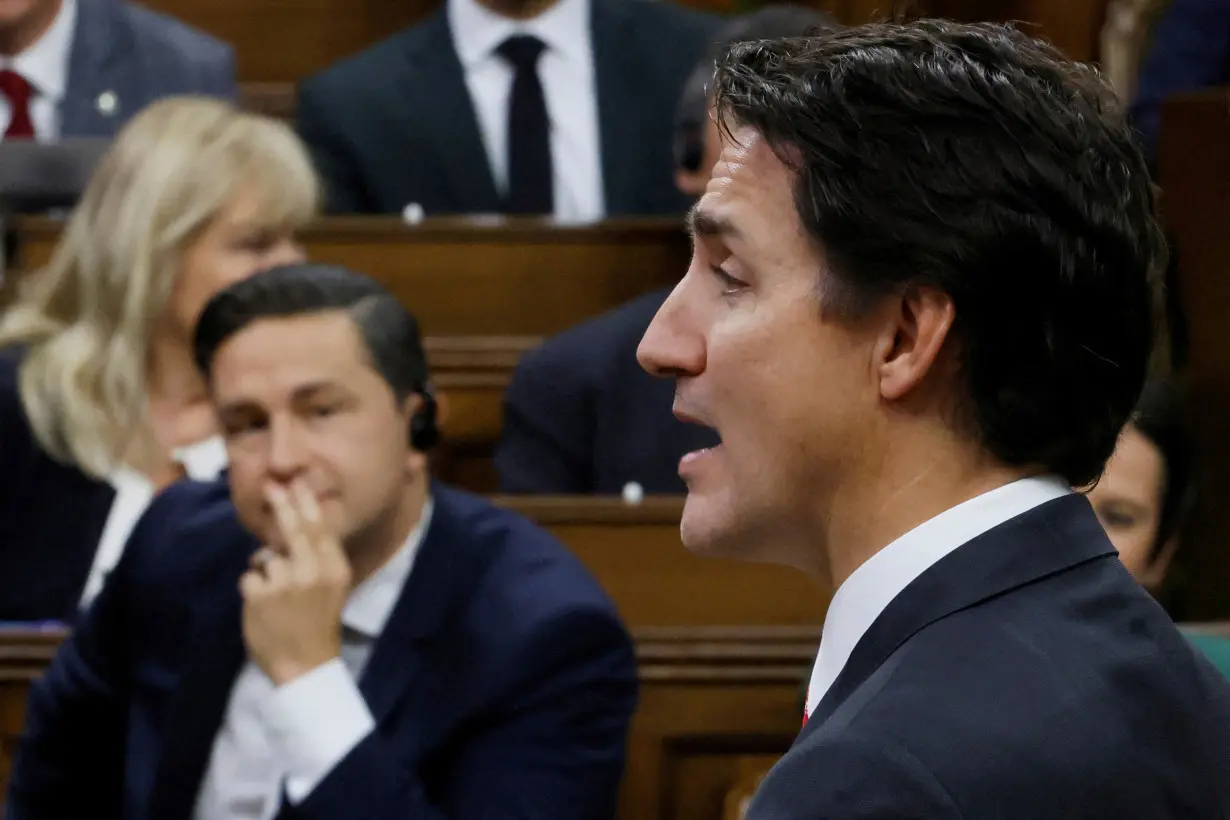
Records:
x=702, y=223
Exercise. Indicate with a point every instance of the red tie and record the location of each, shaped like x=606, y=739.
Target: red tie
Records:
x=17, y=89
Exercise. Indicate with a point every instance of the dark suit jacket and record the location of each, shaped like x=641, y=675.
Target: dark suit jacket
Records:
x=1190, y=51
x=51, y=517
x=394, y=125
x=139, y=56
x=581, y=416
x=502, y=685
x=1024, y=676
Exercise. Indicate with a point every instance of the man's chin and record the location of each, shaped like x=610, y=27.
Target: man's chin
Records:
x=707, y=526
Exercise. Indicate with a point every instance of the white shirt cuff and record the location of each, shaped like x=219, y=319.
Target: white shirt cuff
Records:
x=314, y=721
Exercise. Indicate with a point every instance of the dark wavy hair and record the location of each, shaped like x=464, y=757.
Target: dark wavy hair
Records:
x=979, y=161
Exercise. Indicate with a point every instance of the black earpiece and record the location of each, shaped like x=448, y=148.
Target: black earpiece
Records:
x=423, y=431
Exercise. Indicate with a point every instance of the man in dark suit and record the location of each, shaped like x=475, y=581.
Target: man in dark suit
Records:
x=919, y=311
x=555, y=107
x=580, y=415
x=82, y=68
x=1190, y=51
x=334, y=636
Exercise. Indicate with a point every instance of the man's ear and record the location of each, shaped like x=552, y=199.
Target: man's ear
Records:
x=920, y=321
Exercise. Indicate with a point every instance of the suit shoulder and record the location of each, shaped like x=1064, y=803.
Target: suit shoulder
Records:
x=353, y=75
x=195, y=511
x=522, y=568
x=853, y=777
x=10, y=364
x=613, y=335
x=15, y=429
x=675, y=16
x=153, y=28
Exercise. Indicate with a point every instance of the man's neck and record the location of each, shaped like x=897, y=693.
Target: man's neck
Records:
x=21, y=35
x=369, y=552
x=902, y=493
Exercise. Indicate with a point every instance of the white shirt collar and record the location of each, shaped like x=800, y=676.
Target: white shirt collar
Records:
x=478, y=31
x=202, y=461
x=45, y=63
x=371, y=603
x=872, y=587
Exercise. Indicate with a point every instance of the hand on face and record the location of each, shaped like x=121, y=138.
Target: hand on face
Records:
x=293, y=597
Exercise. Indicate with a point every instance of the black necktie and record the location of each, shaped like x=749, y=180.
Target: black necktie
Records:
x=529, y=138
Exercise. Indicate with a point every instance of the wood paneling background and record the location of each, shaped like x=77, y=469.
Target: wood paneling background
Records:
x=1194, y=169
x=482, y=276
x=284, y=40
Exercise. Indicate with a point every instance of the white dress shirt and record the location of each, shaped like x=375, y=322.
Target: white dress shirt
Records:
x=295, y=734
x=45, y=67
x=203, y=461
x=872, y=587
x=566, y=71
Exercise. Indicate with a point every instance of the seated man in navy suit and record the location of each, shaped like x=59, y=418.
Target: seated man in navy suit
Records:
x=532, y=107
x=332, y=635
x=581, y=416
x=1190, y=51
x=83, y=68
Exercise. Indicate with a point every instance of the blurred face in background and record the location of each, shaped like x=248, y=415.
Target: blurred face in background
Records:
x=692, y=182
x=234, y=245
x=1128, y=502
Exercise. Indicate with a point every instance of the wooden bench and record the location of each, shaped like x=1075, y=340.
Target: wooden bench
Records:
x=470, y=374
x=723, y=648
x=482, y=277
x=1194, y=171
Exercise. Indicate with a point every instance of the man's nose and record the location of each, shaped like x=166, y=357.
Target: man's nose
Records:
x=673, y=345
x=286, y=451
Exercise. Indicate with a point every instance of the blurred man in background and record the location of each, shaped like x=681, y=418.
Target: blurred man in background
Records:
x=530, y=107
x=362, y=641
x=580, y=415
x=83, y=68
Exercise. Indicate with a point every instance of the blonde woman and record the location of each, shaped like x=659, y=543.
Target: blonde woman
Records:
x=100, y=403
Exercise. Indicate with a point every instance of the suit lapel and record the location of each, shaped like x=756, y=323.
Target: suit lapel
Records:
x=215, y=652
x=96, y=73
x=621, y=113
x=434, y=103
x=1050, y=538
x=398, y=658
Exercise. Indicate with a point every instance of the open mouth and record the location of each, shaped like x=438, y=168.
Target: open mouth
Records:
x=693, y=461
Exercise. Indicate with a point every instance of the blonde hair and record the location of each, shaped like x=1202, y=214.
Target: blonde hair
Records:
x=87, y=317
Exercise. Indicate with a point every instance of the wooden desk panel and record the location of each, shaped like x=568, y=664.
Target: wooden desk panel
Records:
x=470, y=374
x=483, y=277
x=1194, y=168
x=709, y=699
x=636, y=553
